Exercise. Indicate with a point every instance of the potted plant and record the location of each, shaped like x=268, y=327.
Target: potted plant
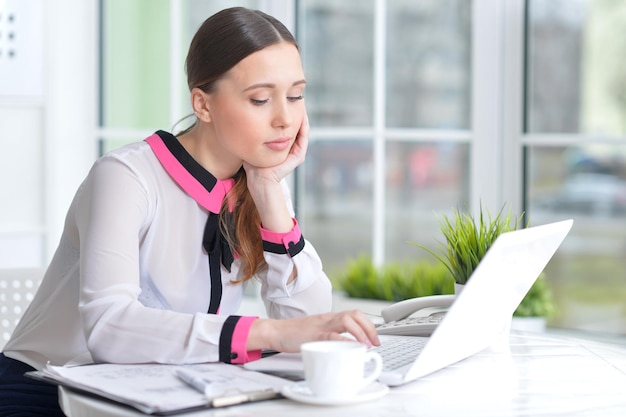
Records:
x=536, y=307
x=467, y=240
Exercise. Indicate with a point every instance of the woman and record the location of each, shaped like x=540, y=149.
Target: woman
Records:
x=163, y=235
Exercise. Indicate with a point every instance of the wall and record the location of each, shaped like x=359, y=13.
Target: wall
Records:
x=48, y=87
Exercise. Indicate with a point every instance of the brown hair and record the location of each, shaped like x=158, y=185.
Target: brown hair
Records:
x=220, y=43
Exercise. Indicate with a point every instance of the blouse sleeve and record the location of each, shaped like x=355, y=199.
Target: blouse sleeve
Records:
x=311, y=291
x=113, y=209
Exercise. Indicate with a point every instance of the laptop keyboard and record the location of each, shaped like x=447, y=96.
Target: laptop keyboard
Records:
x=399, y=351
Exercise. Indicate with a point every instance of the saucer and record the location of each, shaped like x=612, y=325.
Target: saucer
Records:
x=300, y=392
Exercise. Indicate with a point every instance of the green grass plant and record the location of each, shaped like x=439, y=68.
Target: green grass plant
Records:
x=467, y=240
x=538, y=302
x=394, y=281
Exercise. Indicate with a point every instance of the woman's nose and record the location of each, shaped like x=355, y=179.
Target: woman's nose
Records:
x=282, y=115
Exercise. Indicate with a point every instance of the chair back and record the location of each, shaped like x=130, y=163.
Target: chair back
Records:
x=17, y=289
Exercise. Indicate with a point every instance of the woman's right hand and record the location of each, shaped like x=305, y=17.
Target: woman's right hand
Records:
x=287, y=335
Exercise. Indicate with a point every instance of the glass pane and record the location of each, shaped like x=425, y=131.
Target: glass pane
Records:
x=336, y=39
x=136, y=59
x=200, y=10
x=576, y=61
x=428, y=63
x=337, y=200
x=587, y=184
x=135, y=64
x=423, y=182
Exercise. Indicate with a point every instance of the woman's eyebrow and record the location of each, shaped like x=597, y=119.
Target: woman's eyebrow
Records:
x=271, y=85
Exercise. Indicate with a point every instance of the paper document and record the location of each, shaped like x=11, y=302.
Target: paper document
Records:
x=156, y=388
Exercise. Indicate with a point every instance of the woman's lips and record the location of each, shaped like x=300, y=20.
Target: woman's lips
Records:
x=279, y=144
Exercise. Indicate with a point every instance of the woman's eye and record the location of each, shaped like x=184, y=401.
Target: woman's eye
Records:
x=258, y=102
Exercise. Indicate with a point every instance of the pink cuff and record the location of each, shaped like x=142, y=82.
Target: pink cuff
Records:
x=293, y=236
x=240, y=340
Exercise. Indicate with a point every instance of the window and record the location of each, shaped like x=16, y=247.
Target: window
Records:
x=575, y=148
x=388, y=93
x=418, y=107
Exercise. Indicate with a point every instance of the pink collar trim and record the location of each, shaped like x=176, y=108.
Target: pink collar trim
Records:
x=209, y=196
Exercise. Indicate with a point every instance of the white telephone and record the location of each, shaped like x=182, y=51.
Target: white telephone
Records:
x=416, y=316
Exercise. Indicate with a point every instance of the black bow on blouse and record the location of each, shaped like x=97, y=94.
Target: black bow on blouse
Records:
x=220, y=253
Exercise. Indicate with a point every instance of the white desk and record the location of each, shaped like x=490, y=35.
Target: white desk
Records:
x=538, y=375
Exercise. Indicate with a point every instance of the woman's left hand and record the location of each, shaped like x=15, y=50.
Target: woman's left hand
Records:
x=295, y=157
x=266, y=190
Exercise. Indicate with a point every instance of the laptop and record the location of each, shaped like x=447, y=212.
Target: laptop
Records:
x=479, y=316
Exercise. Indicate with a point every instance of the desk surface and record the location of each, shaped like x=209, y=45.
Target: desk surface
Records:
x=535, y=375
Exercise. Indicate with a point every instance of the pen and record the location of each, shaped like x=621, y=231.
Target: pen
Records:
x=252, y=396
x=195, y=381
x=203, y=385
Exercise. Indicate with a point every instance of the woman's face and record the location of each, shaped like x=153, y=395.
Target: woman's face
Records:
x=257, y=108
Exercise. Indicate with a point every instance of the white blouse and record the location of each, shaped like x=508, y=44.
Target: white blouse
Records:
x=130, y=280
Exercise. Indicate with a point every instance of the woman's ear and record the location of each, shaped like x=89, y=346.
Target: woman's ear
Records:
x=200, y=105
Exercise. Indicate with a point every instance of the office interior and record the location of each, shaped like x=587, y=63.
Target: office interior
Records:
x=416, y=107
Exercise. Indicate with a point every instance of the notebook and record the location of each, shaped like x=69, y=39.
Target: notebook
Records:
x=480, y=315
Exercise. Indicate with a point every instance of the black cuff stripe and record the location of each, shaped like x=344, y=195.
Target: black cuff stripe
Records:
x=226, y=339
x=279, y=248
x=274, y=247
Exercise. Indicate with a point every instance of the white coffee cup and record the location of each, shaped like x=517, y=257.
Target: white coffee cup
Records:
x=335, y=369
